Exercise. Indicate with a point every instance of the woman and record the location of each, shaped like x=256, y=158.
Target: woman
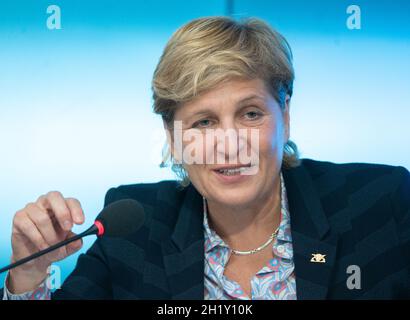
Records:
x=249, y=219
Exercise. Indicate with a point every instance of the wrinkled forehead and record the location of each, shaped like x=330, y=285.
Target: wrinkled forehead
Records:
x=230, y=95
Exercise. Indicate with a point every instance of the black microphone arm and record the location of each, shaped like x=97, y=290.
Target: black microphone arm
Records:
x=90, y=231
x=109, y=222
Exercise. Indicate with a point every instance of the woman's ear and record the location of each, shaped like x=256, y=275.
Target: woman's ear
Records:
x=170, y=141
x=166, y=149
x=286, y=118
x=167, y=132
x=169, y=137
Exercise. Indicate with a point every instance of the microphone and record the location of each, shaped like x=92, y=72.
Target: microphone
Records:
x=119, y=218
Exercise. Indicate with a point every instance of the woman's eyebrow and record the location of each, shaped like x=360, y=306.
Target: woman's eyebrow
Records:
x=199, y=113
x=251, y=97
x=205, y=111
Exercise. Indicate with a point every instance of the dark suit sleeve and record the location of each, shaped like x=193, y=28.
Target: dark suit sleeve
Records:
x=91, y=277
x=401, y=205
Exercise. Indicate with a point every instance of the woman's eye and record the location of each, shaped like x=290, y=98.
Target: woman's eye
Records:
x=202, y=123
x=252, y=115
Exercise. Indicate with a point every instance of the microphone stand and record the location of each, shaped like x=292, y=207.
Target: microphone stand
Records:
x=91, y=230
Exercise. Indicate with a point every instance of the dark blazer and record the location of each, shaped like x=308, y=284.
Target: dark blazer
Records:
x=355, y=214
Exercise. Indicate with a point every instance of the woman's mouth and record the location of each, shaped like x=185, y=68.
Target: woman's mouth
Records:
x=233, y=174
x=234, y=171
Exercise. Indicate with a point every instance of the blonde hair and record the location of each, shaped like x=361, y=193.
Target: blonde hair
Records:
x=208, y=51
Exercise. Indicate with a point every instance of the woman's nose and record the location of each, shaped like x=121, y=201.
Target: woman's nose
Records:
x=229, y=141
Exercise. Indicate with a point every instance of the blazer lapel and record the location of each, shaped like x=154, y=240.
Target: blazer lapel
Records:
x=184, y=251
x=311, y=235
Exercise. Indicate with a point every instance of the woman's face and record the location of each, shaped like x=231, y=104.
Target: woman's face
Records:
x=236, y=125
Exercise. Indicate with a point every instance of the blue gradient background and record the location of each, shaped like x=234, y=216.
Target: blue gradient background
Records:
x=75, y=103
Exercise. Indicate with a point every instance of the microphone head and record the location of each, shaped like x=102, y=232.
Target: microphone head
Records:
x=120, y=218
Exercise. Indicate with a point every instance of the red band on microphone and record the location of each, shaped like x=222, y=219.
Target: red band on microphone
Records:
x=100, y=228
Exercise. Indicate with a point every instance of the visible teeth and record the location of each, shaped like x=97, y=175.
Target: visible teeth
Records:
x=231, y=172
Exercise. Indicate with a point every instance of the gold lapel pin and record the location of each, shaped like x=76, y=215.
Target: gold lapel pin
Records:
x=318, y=258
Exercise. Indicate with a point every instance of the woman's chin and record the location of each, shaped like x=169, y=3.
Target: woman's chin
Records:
x=238, y=196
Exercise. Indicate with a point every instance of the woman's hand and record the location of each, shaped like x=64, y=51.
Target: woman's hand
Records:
x=38, y=226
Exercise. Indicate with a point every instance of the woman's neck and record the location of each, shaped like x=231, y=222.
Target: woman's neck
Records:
x=249, y=225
